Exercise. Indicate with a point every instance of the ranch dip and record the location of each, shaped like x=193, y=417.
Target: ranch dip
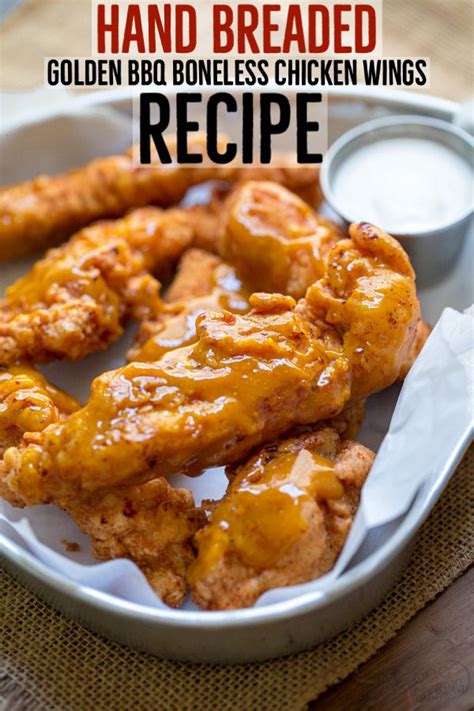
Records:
x=405, y=185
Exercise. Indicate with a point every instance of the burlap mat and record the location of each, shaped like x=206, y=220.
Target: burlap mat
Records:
x=52, y=663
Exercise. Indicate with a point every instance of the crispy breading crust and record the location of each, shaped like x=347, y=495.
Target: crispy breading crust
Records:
x=231, y=569
x=153, y=525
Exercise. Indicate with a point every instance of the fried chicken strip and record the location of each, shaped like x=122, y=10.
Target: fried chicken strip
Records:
x=368, y=296
x=248, y=379
x=203, y=283
x=43, y=212
x=153, y=524
x=75, y=300
x=283, y=521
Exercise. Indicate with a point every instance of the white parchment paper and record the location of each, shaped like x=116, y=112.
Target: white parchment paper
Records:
x=432, y=417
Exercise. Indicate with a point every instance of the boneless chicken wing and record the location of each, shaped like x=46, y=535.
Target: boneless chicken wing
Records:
x=283, y=521
x=75, y=300
x=152, y=524
x=368, y=295
x=43, y=212
x=246, y=378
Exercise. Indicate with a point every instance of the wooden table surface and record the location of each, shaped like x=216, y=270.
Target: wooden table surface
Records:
x=428, y=666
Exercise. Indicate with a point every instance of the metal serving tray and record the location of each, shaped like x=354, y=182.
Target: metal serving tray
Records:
x=276, y=629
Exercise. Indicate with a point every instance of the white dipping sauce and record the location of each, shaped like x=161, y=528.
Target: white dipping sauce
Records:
x=404, y=184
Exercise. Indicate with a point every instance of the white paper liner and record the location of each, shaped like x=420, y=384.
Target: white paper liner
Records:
x=433, y=414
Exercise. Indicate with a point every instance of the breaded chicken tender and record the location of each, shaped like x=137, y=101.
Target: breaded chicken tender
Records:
x=43, y=212
x=152, y=524
x=203, y=283
x=247, y=379
x=283, y=521
x=274, y=239
x=74, y=301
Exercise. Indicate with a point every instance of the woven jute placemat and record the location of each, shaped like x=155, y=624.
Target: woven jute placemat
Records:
x=50, y=662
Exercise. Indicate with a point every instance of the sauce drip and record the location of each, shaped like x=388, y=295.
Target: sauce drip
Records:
x=179, y=330
x=263, y=513
x=29, y=402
